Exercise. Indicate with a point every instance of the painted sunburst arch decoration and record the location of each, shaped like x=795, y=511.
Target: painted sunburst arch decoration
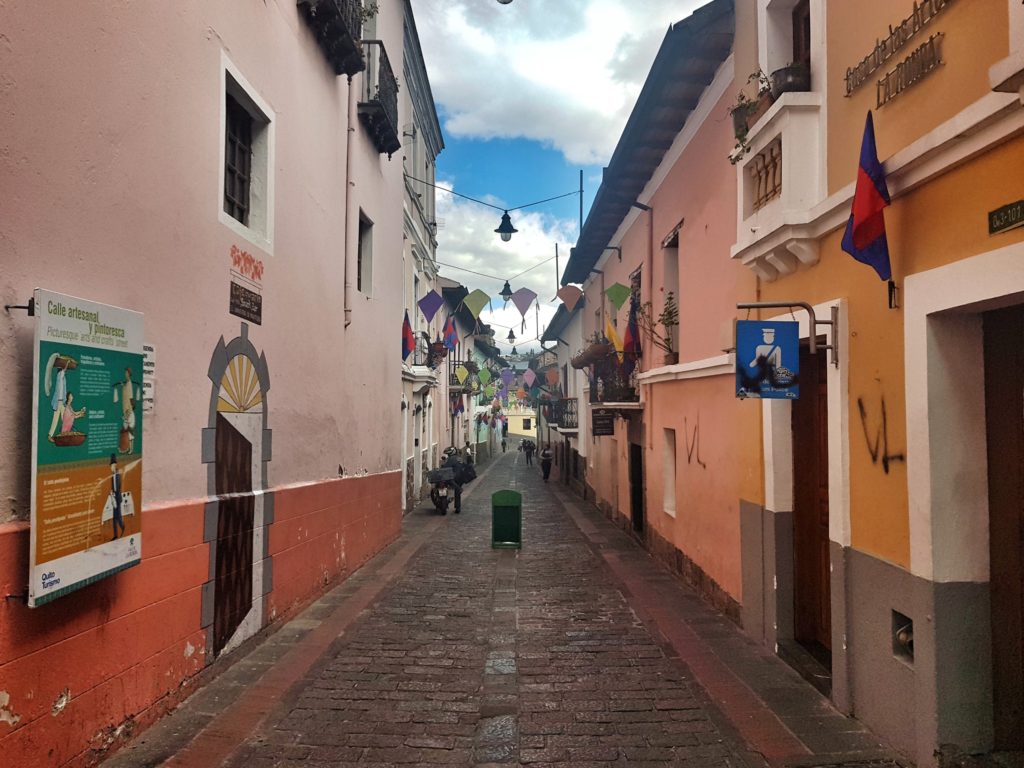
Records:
x=240, y=388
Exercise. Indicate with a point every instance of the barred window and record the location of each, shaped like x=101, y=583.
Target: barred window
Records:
x=237, y=160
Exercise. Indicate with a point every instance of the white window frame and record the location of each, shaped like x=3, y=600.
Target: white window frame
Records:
x=668, y=472
x=260, y=230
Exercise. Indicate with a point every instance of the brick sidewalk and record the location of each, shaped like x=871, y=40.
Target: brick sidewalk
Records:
x=578, y=650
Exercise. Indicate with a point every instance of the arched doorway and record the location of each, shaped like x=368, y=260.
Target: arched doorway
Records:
x=236, y=449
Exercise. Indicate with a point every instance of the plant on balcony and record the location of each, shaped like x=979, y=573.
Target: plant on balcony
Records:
x=667, y=320
x=795, y=77
x=746, y=111
x=597, y=349
x=368, y=11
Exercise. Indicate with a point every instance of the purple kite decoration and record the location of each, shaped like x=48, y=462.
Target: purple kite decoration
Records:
x=523, y=298
x=507, y=375
x=429, y=305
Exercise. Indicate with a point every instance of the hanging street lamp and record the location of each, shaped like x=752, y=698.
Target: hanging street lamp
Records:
x=506, y=292
x=505, y=229
x=511, y=338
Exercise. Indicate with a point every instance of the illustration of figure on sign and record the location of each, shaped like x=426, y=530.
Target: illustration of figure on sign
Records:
x=761, y=369
x=56, y=388
x=114, y=509
x=67, y=423
x=128, y=393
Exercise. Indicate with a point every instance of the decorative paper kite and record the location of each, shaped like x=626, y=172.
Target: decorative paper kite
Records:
x=429, y=305
x=521, y=394
x=462, y=373
x=476, y=301
x=618, y=294
x=529, y=377
x=523, y=298
x=484, y=375
x=570, y=295
x=507, y=375
x=488, y=391
x=552, y=376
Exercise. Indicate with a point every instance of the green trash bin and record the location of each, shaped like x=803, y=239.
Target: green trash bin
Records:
x=506, y=520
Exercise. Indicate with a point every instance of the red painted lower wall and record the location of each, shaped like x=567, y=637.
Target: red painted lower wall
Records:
x=82, y=674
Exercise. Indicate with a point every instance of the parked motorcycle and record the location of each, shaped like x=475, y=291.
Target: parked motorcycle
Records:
x=440, y=493
x=442, y=490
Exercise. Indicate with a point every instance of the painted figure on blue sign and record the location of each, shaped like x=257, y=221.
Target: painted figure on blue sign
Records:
x=117, y=521
x=767, y=356
x=768, y=374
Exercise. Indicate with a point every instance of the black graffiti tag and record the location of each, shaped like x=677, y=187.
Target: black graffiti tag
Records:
x=879, y=449
x=694, y=447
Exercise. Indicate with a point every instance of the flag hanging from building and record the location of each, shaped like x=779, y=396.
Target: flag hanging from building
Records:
x=864, y=238
x=613, y=337
x=631, y=349
x=451, y=333
x=408, y=340
x=457, y=405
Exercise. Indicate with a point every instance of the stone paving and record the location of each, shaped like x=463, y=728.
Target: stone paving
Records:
x=545, y=656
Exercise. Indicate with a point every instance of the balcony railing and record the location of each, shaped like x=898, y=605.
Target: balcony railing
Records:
x=379, y=108
x=337, y=25
x=611, y=386
x=765, y=171
x=565, y=413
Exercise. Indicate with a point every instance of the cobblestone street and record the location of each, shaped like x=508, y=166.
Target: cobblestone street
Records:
x=469, y=655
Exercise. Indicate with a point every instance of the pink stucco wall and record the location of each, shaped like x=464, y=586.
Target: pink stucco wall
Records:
x=110, y=141
x=700, y=190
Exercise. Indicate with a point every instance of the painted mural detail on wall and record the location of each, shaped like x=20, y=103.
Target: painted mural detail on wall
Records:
x=878, y=446
x=693, y=446
x=237, y=449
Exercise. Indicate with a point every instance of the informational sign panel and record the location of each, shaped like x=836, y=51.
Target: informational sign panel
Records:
x=767, y=359
x=148, y=377
x=602, y=422
x=86, y=444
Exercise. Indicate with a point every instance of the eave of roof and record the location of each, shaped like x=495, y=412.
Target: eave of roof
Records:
x=560, y=321
x=691, y=53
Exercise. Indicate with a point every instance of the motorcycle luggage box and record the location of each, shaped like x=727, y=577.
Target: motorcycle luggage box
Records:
x=446, y=474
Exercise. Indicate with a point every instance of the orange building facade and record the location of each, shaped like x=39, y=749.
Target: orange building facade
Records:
x=869, y=532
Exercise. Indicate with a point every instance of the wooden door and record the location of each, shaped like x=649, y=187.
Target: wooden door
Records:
x=811, y=590
x=1004, y=424
x=636, y=486
x=233, y=586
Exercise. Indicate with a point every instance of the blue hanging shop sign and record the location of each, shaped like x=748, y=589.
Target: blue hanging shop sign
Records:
x=767, y=359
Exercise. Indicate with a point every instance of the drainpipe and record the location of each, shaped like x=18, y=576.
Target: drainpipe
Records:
x=349, y=267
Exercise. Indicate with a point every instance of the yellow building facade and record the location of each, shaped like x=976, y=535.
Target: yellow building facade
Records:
x=883, y=531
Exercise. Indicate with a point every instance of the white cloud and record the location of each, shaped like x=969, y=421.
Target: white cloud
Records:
x=565, y=73
x=468, y=242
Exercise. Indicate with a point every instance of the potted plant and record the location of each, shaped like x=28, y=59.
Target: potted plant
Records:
x=597, y=349
x=794, y=77
x=746, y=111
x=668, y=320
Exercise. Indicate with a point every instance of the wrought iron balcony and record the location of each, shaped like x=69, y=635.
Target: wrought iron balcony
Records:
x=565, y=413
x=611, y=386
x=379, y=107
x=337, y=25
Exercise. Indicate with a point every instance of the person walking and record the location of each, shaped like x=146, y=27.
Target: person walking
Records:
x=545, y=461
x=458, y=468
x=504, y=445
x=528, y=448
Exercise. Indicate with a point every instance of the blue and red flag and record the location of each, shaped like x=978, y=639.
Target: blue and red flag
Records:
x=408, y=340
x=457, y=405
x=865, y=231
x=631, y=340
x=451, y=333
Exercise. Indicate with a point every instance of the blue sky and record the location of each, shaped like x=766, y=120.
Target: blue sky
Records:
x=529, y=94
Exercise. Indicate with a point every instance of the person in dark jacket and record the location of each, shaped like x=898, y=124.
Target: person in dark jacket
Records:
x=458, y=468
x=545, y=461
x=528, y=449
